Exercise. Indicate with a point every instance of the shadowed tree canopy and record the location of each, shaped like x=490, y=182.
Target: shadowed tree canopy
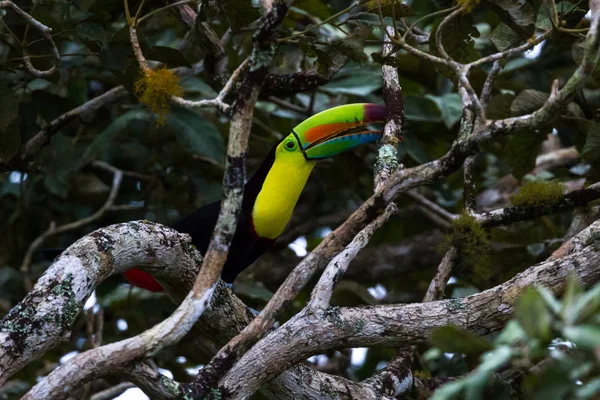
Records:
x=456, y=258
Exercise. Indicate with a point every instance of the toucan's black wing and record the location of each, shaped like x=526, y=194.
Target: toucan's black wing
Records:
x=200, y=225
x=245, y=247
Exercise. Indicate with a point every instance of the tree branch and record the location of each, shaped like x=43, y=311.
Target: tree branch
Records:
x=508, y=215
x=321, y=294
x=387, y=159
x=46, y=33
x=397, y=325
x=43, y=319
x=43, y=137
x=54, y=230
x=112, y=392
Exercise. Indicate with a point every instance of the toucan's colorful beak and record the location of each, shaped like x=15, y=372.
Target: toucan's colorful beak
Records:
x=334, y=131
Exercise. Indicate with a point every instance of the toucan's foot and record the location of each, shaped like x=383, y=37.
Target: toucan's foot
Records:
x=229, y=285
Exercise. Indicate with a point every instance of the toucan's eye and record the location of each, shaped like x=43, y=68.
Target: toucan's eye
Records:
x=290, y=146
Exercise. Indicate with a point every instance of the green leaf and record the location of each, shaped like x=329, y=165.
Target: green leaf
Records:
x=56, y=185
x=504, y=37
x=104, y=140
x=450, y=107
x=194, y=85
x=389, y=8
x=240, y=13
x=452, y=339
x=528, y=101
x=512, y=333
x=533, y=315
x=196, y=134
x=358, y=84
x=591, y=149
x=91, y=31
x=584, y=336
x=457, y=40
x=552, y=382
x=473, y=385
x=10, y=136
x=61, y=160
x=521, y=151
x=565, y=8
x=449, y=391
x=590, y=390
x=520, y=15
x=317, y=8
x=117, y=55
x=169, y=56
x=351, y=47
x=253, y=290
x=569, y=300
x=551, y=302
x=495, y=359
x=587, y=304
x=577, y=54
x=421, y=108
x=368, y=20
x=499, y=106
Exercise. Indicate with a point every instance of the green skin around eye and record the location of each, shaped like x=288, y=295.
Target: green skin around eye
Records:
x=290, y=146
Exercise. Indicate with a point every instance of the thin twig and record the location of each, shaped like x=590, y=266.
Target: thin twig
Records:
x=488, y=86
x=437, y=286
x=54, y=230
x=218, y=101
x=286, y=104
x=137, y=50
x=112, y=392
x=431, y=210
x=511, y=52
x=328, y=19
x=321, y=294
x=423, y=18
x=45, y=31
x=469, y=185
x=439, y=45
x=158, y=10
x=107, y=167
x=43, y=136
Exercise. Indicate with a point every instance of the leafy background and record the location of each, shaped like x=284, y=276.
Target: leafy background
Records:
x=183, y=160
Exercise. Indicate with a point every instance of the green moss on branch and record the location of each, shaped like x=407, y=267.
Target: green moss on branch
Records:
x=543, y=194
x=473, y=244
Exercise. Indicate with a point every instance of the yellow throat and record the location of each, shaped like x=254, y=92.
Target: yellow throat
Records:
x=280, y=192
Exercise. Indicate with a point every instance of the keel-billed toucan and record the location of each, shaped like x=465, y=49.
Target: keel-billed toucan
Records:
x=271, y=194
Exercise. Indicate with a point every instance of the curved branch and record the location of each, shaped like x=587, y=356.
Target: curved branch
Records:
x=401, y=181
x=45, y=31
x=505, y=216
x=309, y=333
x=44, y=318
x=321, y=294
x=54, y=230
x=43, y=137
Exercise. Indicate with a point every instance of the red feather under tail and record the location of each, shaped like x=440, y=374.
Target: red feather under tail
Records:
x=142, y=280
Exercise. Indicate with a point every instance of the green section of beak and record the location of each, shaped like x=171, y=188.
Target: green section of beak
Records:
x=323, y=135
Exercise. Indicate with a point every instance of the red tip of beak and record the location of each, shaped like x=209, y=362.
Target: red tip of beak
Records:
x=375, y=112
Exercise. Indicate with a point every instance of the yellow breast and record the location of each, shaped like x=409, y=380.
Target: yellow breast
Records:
x=280, y=192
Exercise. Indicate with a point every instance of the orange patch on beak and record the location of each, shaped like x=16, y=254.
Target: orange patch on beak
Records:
x=319, y=132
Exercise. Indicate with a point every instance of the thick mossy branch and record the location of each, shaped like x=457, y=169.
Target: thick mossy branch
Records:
x=543, y=194
x=155, y=89
x=473, y=244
